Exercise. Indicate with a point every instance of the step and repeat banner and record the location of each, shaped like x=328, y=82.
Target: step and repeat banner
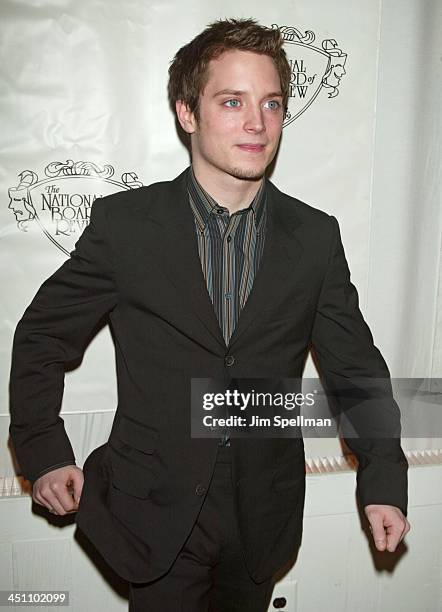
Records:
x=85, y=114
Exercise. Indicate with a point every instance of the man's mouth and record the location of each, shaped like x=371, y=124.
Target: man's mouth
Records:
x=252, y=148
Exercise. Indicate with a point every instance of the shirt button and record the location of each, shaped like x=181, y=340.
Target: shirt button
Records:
x=229, y=360
x=219, y=211
x=229, y=238
x=200, y=489
x=228, y=295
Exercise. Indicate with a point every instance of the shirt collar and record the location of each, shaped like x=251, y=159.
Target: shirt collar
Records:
x=204, y=205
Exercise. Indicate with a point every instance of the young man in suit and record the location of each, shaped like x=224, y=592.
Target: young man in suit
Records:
x=214, y=273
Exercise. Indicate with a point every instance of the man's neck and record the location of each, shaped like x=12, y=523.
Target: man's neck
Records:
x=235, y=194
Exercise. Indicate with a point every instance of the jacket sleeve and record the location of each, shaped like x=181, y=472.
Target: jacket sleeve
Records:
x=53, y=331
x=347, y=357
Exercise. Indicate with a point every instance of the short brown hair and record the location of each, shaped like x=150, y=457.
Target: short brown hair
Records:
x=188, y=70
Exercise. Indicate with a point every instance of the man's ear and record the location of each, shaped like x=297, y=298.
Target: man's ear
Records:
x=185, y=116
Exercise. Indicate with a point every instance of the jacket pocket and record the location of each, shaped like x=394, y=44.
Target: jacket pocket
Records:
x=132, y=457
x=128, y=476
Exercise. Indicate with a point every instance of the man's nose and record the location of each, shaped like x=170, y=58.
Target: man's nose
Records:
x=254, y=121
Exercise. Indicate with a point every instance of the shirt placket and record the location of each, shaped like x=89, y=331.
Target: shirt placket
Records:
x=228, y=291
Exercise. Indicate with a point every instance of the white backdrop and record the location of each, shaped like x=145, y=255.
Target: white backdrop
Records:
x=86, y=81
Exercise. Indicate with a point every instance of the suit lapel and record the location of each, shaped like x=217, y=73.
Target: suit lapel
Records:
x=170, y=230
x=281, y=256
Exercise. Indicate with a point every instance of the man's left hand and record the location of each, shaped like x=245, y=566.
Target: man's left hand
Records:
x=387, y=524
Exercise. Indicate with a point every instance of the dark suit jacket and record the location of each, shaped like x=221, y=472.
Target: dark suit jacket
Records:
x=137, y=262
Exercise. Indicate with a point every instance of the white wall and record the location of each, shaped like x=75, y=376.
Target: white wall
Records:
x=406, y=206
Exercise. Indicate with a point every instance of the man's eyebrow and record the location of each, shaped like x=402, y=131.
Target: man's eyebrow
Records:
x=239, y=92
x=231, y=92
x=274, y=94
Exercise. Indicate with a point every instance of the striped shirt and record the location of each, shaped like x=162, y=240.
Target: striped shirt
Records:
x=230, y=248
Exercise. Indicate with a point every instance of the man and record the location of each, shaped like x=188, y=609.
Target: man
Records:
x=214, y=274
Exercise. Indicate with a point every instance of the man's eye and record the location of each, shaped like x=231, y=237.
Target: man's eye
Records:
x=232, y=103
x=273, y=104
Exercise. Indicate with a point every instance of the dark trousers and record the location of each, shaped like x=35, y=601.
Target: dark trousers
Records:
x=209, y=574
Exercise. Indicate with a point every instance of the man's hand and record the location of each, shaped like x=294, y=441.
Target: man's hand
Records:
x=387, y=524
x=59, y=490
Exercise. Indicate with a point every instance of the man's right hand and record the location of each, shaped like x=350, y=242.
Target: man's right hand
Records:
x=59, y=490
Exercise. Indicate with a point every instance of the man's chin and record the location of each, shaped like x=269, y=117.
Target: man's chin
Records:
x=247, y=174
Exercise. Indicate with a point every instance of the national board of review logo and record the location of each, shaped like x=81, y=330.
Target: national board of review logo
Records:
x=314, y=69
x=60, y=202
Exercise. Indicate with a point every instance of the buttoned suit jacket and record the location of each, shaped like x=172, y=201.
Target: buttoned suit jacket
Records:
x=137, y=266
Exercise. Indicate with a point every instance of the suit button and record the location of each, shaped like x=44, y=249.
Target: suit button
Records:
x=229, y=360
x=200, y=489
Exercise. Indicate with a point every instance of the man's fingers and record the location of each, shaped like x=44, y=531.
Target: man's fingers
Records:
x=63, y=497
x=406, y=529
x=394, y=536
x=38, y=499
x=378, y=531
x=397, y=529
x=51, y=502
x=76, y=485
x=388, y=526
x=59, y=490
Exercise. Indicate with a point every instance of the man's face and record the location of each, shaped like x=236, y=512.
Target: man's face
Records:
x=240, y=116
